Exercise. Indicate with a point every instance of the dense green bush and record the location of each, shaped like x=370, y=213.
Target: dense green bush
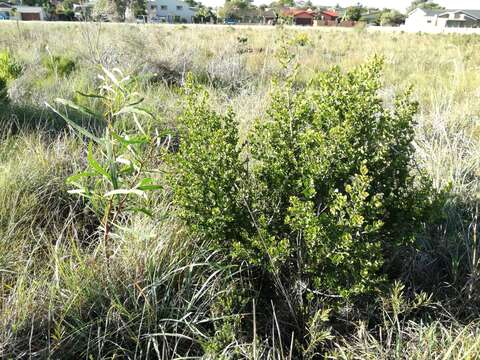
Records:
x=332, y=174
x=58, y=65
x=209, y=169
x=3, y=91
x=9, y=68
x=320, y=193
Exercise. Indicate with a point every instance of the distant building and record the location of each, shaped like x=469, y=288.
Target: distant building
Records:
x=371, y=17
x=20, y=12
x=327, y=18
x=427, y=19
x=170, y=11
x=270, y=17
x=300, y=17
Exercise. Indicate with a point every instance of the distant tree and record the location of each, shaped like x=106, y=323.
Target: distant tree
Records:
x=354, y=13
x=44, y=3
x=236, y=9
x=139, y=7
x=308, y=4
x=423, y=4
x=64, y=11
x=117, y=10
x=204, y=15
x=30, y=2
x=372, y=17
x=105, y=9
x=229, y=11
x=392, y=18
x=67, y=4
x=282, y=3
x=192, y=3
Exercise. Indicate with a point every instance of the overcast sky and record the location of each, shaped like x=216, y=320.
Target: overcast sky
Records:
x=396, y=4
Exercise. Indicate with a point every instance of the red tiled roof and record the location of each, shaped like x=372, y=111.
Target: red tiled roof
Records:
x=330, y=13
x=296, y=12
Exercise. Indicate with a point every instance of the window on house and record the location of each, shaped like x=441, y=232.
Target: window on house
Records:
x=153, y=7
x=179, y=7
x=429, y=21
x=163, y=7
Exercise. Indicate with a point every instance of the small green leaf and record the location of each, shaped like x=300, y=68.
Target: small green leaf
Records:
x=76, y=177
x=95, y=165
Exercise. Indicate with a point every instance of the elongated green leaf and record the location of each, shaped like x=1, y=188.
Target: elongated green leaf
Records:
x=148, y=184
x=130, y=141
x=79, y=176
x=146, y=181
x=134, y=110
x=139, y=101
x=80, y=129
x=143, y=210
x=149, y=187
x=95, y=96
x=95, y=165
x=83, y=109
x=112, y=166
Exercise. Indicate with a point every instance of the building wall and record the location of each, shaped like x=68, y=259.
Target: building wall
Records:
x=327, y=17
x=303, y=20
x=26, y=10
x=467, y=23
x=170, y=11
x=460, y=20
x=419, y=20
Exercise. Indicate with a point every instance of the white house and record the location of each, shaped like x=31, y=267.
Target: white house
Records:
x=170, y=11
x=20, y=12
x=431, y=20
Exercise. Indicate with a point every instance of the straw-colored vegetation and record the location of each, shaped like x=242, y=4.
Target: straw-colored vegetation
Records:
x=196, y=195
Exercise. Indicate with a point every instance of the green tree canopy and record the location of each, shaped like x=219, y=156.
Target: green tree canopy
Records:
x=282, y=3
x=392, y=18
x=236, y=9
x=423, y=4
x=354, y=13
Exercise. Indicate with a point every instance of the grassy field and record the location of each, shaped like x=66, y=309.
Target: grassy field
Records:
x=153, y=292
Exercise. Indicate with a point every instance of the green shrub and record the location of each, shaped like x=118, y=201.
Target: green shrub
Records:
x=301, y=39
x=58, y=65
x=315, y=202
x=9, y=68
x=326, y=191
x=332, y=174
x=3, y=91
x=208, y=169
